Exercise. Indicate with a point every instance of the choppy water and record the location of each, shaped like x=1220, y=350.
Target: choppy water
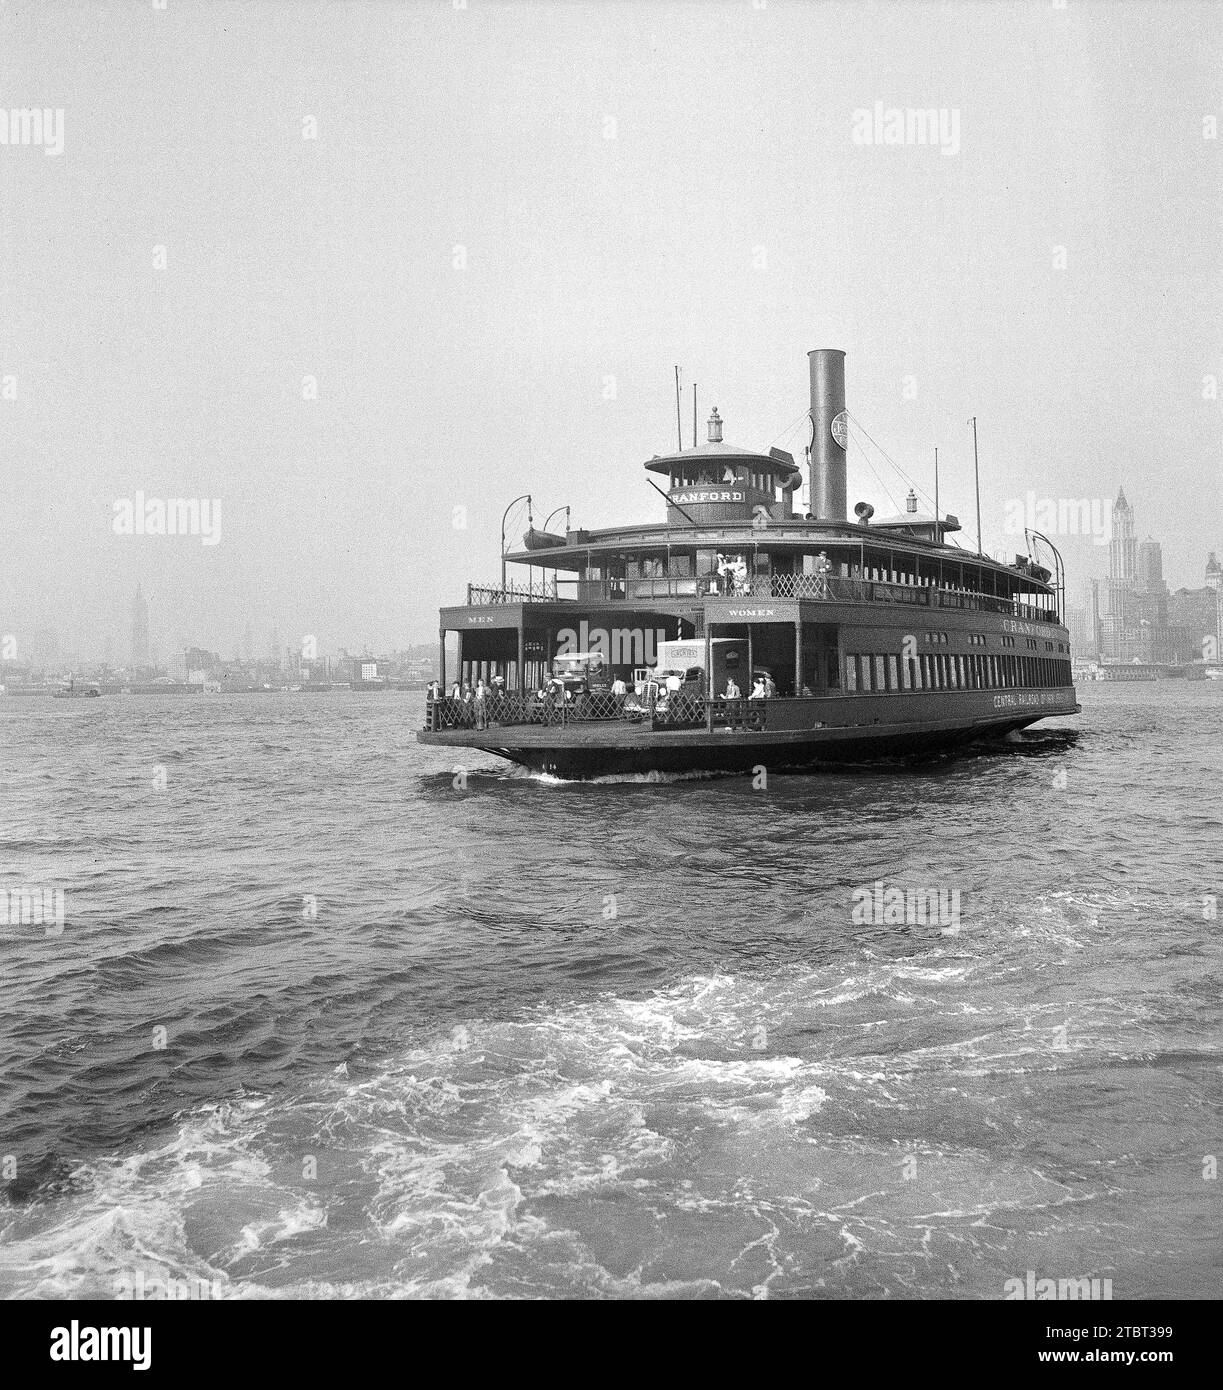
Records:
x=464, y=1076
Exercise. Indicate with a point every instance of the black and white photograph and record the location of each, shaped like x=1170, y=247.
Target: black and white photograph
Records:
x=610, y=681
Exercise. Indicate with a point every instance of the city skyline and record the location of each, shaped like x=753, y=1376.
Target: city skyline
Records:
x=1133, y=614
x=165, y=638
x=343, y=321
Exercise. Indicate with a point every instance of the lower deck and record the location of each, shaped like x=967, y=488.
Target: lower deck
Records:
x=742, y=735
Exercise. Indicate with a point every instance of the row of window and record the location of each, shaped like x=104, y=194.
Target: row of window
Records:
x=977, y=639
x=942, y=671
x=958, y=587
x=762, y=482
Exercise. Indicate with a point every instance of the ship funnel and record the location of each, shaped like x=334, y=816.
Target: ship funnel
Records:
x=829, y=433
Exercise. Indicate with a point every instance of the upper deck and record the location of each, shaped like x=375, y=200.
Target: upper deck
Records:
x=665, y=594
x=798, y=559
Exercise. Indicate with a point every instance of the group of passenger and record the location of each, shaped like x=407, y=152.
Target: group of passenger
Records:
x=478, y=704
x=732, y=574
x=764, y=687
x=483, y=702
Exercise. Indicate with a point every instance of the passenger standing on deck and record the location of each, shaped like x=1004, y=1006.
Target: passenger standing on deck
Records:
x=740, y=570
x=822, y=566
x=732, y=690
x=770, y=687
x=480, y=704
x=757, y=689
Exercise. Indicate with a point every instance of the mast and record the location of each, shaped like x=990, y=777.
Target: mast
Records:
x=976, y=473
x=694, y=414
x=679, y=429
x=938, y=534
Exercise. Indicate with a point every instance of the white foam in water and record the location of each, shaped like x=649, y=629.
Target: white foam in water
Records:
x=654, y=777
x=540, y=1154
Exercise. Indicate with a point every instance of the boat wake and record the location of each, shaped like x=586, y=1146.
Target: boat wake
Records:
x=855, y=1128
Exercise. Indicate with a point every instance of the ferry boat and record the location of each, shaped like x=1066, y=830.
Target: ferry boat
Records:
x=807, y=638
x=69, y=690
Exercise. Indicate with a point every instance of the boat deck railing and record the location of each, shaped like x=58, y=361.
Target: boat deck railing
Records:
x=818, y=588
x=481, y=594
x=677, y=711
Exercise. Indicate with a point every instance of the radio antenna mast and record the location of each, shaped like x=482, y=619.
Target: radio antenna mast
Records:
x=976, y=473
x=679, y=429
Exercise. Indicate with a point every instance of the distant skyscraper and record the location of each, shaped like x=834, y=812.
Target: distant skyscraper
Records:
x=1123, y=548
x=1153, y=603
x=1196, y=615
x=1214, y=580
x=140, y=630
x=1150, y=566
x=1120, y=638
x=1094, y=619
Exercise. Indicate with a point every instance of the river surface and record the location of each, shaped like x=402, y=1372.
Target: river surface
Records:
x=320, y=1023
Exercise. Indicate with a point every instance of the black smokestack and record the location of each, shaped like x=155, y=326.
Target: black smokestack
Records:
x=827, y=452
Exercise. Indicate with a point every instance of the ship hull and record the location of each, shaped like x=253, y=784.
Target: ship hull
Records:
x=880, y=732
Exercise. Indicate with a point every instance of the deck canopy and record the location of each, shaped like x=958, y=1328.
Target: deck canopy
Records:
x=660, y=560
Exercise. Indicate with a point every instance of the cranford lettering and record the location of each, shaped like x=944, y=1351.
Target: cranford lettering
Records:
x=713, y=495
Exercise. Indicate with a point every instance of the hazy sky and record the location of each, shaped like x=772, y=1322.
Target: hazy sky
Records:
x=635, y=185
